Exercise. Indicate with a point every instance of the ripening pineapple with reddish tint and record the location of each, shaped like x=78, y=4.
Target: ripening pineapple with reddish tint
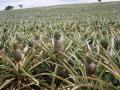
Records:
x=90, y=67
x=17, y=55
x=58, y=42
x=2, y=51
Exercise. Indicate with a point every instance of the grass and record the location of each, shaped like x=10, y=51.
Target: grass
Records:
x=90, y=58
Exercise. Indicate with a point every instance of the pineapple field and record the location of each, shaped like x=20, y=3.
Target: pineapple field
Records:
x=63, y=47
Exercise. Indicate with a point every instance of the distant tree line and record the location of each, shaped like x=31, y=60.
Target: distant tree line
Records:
x=21, y=6
x=12, y=7
x=9, y=7
x=99, y=0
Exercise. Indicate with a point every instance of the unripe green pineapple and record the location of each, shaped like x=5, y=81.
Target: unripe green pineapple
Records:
x=104, y=43
x=58, y=42
x=17, y=55
x=3, y=51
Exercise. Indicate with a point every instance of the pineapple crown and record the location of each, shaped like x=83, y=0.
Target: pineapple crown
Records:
x=15, y=46
x=57, y=35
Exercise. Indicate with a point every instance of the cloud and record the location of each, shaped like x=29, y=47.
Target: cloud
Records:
x=37, y=3
x=40, y=3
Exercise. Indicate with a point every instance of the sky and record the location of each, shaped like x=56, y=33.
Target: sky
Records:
x=41, y=3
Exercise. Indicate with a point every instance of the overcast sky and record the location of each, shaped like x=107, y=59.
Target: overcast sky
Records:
x=41, y=3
